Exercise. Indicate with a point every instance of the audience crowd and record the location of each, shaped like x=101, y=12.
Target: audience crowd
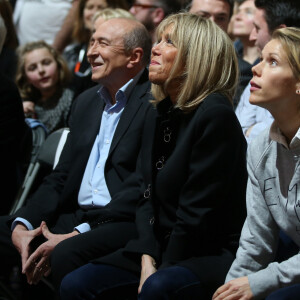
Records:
x=180, y=174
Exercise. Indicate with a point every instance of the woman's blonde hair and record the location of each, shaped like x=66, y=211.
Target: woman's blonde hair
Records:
x=207, y=55
x=27, y=90
x=289, y=38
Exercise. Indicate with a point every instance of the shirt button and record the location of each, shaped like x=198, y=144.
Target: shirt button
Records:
x=96, y=191
x=98, y=166
x=107, y=141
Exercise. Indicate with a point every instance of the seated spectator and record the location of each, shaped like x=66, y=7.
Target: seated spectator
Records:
x=15, y=136
x=42, y=77
x=269, y=16
x=8, y=57
x=242, y=25
x=274, y=178
x=194, y=175
x=93, y=188
x=76, y=54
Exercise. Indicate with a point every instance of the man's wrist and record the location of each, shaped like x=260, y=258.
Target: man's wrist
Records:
x=21, y=226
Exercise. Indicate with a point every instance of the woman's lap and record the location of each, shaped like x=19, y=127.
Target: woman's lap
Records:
x=287, y=293
x=94, y=280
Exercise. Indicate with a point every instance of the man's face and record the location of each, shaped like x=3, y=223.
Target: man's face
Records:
x=143, y=12
x=216, y=10
x=106, y=52
x=260, y=33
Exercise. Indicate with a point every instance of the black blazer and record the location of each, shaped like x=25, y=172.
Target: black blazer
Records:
x=58, y=193
x=193, y=207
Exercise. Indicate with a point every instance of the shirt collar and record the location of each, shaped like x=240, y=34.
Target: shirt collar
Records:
x=277, y=136
x=123, y=93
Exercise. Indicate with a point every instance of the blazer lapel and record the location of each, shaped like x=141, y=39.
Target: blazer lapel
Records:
x=140, y=91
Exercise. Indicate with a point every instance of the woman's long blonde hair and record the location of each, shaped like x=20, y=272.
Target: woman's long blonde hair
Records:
x=208, y=57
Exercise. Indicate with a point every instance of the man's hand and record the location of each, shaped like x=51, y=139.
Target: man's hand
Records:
x=148, y=268
x=29, y=109
x=37, y=264
x=21, y=238
x=236, y=289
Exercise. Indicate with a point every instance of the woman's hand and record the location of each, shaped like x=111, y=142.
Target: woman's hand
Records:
x=148, y=268
x=236, y=289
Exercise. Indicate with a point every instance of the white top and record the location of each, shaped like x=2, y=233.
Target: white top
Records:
x=39, y=19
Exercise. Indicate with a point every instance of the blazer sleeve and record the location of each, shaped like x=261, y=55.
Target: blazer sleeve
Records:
x=204, y=215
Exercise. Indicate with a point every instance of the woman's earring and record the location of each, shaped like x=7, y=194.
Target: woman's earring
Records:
x=297, y=91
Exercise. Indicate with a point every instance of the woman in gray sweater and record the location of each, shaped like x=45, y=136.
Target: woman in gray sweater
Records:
x=273, y=191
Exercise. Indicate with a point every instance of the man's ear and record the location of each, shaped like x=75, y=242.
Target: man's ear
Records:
x=158, y=15
x=135, y=57
x=281, y=26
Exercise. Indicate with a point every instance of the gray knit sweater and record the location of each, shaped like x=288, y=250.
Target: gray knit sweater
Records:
x=273, y=203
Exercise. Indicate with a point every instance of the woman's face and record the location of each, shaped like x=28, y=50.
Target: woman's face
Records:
x=91, y=6
x=41, y=70
x=243, y=19
x=162, y=58
x=273, y=83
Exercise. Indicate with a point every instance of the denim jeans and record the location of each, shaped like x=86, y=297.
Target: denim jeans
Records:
x=288, y=293
x=96, y=281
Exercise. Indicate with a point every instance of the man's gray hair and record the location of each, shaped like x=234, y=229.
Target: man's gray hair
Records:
x=139, y=37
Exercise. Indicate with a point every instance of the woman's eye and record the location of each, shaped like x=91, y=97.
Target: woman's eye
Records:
x=47, y=62
x=273, y=62
x=31, y=68
x=169, y=41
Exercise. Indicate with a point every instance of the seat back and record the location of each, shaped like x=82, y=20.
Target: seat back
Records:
x=47, y=154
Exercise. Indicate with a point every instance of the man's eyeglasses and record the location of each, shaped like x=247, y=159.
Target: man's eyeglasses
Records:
x=140, y=5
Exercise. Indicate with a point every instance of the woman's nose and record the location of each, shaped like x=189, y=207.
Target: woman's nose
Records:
x=156, y=48
x=41, y=69
x=256, y=70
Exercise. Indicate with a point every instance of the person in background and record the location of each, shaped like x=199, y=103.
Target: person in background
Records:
x=219, y=11
x=8, y=57
x=242, y=25
x=42, y=77
x=40, y=19
x=193, y=165
x=15, y=136
x=152, y=12
x=76, y=53
x=268, y=17
x=274, y=179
